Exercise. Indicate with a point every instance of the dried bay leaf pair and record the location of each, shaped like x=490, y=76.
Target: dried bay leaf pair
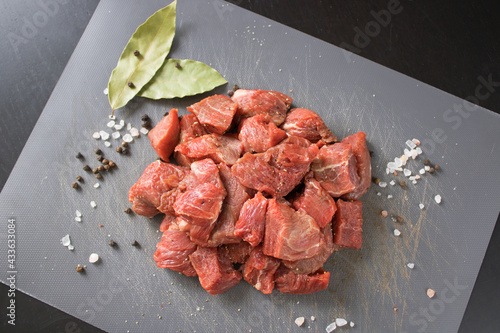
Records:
x=143, y=69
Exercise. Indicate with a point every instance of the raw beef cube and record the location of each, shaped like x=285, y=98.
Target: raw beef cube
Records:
x=190, y=129
x=165, y=135
x=300, y=284
x=259, y=270
x=215, y=113
x=168, y=219
x=335, y=168
x=173, y=251
x=220, y=148
x=199, y=206
x=363, y=162
x=311, y=265
x=279, y=169
x=252, y=220
x=259, y=133
x=216, y=273
x=237, y=253
x=316, y=202
x=347, y=224
x=253, y=102
x=290, y=234
x=223, y=232
x=307, y=124
x=157, y=189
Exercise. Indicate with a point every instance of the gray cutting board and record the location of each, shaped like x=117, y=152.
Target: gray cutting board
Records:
x=127, y=292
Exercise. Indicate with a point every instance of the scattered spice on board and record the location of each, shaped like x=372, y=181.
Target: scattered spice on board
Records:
x=75, y=185
x=79, y=268
x=86, y=167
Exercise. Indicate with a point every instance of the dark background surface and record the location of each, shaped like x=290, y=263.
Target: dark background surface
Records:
x=446, y=44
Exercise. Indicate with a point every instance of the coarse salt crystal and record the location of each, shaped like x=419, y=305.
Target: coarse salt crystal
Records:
x=116, y=135
x=96, y=185
x=299, y=321
x=313, y=318
x=410, y=144
x=351, y=324
x=407, y=153
x=404, y=159
x=107, y=143
x=421, y=206
x=382, y=184
x=129, y=126
x=414, y=153
x=421, y=171
x=118, y=127
x=71, y=247
x=104, y=135
x=340, y=322
x=379, y=194
x=105, y=91
x=110, y=123
x=410, y=265
x=431, y=293
x=427, y=168
x=398, y=161
x=134, y=132
x=416, y=141
x=384, y=213
x=96, y=135
x=392, y=182
x=397, y=233
x=93, y=204
x=418, y=150
x=78, y=219
x=407, y=172
x=387, y=170
x=391, y=165
x=417, y=177
x=128, y=138
x=332, y=327
x=437, y=198
x=389, y=196
x=65, y=241
x=78, y=213
x=412, y=178
x=93, y=258
x=414, y=181
x=144, y=131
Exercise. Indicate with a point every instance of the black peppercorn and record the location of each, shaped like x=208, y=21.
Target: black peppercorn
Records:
x=119, y=149
x=98, y=151
x=145, y=117
x=100, y=168
x=376, y=180
x=437, y=167
x=432, y=170
x=94, y=171
x=79, y=268
x=124, y=144
x=79, y=155
x=402, y=184
x=99, y=158
x=98, y=175
x=107, y=167
x=178, y=66
x=128, y=210
x=235, y=87
x=137, y=53
x=131, y=85
x=427, y=162
x=86, y=167
x=74, y=185
x=79, y=178
x=135, y=243
x=112, y=164
x=112, y=243
x=104, y=161
x=230, y=93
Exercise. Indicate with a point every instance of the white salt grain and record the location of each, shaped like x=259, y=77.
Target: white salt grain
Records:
x=397, y=233
x=104, y=135
x=96, y=135
x=412, y=178
x=398, y=161
x=418, y=150
x=437, y=198
x=340, y=322
x=392, y=182
x=129, y=126
x=65, y=241
x=351, y=324
x=144, y=131
x=416, y=141
x=379, y=194
x=71, y=247
x=78, y=213
x=389, y=196
x=427, y=168
x=128, y=138
x=382, y=184
x=105, y=91
x=96, y=185
x=407, y=172
x=78, y=219
x=107, y=143
x=299, y=321
x=111, y=123
x=93, y=204
x=421, y=206
x=116, y=135
x=410, y=265
x=332, y=327
x=118, y=127
x=134, y=132
x=417, y=177
x=421, y=171
x=414, y=181
x=313, y=318
x=410, y=144
x=93, y=258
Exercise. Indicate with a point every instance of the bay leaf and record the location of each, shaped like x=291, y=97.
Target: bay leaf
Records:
x=152, y=40
x=180, y=78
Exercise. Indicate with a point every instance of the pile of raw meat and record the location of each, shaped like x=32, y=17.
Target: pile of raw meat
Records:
x=258, y=192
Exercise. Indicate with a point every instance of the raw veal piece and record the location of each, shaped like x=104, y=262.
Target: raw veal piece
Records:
x=347, y=224
x=190, y=128
x=215, y=113
x=289, y=282
x=252, y=219
x=259, y=133
x=259, y=270
x=165, y=135
x=307, y=124
x=316, y=202
x=363, y=164
x=220, y=148
x=253, y=102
